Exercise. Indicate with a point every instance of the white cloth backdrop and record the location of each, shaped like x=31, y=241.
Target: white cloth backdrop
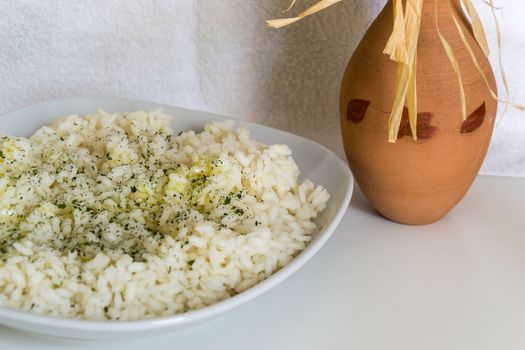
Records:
x=217, y=55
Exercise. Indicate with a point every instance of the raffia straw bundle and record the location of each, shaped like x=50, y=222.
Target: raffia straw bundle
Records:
x=402, y=49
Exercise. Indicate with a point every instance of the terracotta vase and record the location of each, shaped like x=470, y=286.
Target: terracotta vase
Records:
x=417, y=182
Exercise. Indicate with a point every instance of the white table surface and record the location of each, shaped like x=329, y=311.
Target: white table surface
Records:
x=457, y=284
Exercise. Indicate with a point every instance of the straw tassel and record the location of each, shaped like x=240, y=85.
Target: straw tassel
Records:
x=321, y=5
x=406, y=81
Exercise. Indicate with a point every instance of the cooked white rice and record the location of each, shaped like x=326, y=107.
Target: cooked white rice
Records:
x=115, y=217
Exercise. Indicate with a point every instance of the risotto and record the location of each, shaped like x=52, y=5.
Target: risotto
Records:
x=113, y=216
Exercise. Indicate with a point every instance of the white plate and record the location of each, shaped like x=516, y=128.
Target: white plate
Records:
x=315, y=162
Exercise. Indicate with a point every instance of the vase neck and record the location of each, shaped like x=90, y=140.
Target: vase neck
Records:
x=429, y=5
x=429, y=10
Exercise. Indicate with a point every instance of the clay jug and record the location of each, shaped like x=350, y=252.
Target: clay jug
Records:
x=417, y=182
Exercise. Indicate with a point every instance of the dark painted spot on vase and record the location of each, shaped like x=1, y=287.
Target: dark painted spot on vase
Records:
x=425, y=129
x=475, y=120
x=356, y=110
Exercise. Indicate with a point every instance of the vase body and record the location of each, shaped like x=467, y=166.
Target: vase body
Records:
x=417, y=182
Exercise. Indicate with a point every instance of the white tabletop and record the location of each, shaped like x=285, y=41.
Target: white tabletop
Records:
x=457, y=284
